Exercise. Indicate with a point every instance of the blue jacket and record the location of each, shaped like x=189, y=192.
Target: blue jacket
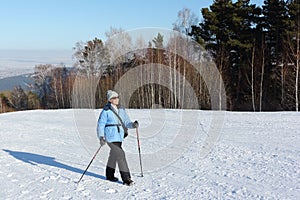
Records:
x=112, y=133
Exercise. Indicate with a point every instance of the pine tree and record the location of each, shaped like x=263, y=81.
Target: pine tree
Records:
x=228, y=32
x=242, y=52
x=158, y=41
x=275, y=24
x=92, y=60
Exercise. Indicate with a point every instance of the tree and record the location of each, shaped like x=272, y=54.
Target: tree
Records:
x=185, y=20
x=294, y=44
x=275, y=24
x=230, y=32
x=4, y=103
x=33, y=101
x=18, y=98
x=92, y=60
x=59, y=76
x=42, y=84
x=244, y=24
x=158, y=58
x=216, y=31
x=158, y=41
x=118, y=42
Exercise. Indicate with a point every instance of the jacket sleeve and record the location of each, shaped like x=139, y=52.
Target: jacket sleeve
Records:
x=128, y=123
x=101, y=124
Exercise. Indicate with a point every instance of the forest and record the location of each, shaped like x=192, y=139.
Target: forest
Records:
x=255, y=49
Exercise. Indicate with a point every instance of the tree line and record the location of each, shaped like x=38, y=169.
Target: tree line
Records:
x=256, y=50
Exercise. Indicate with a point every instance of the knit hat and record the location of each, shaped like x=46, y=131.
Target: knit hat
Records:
x=111, y=94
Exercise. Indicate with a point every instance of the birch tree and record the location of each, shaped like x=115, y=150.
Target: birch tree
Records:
x=186, y=19
x=294, y=44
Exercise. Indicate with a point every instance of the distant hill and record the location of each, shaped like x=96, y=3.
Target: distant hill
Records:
x=10, y=82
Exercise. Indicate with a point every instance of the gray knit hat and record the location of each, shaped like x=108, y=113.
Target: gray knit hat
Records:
x=111, y=94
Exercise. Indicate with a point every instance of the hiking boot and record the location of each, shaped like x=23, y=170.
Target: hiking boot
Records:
x=113, y=179
x=128, y=182
x=110, y=174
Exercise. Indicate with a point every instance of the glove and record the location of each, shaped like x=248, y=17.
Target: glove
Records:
x=135, y=124
x=102, y=141
x=125, y=134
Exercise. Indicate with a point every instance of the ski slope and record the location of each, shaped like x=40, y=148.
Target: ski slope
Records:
x=254, y=156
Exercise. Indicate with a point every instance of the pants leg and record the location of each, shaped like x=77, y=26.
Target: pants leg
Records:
x=111, y=165
x=117, y=155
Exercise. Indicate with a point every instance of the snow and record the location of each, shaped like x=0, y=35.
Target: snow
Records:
x=254, y=156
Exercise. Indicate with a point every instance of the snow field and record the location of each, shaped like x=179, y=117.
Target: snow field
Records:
x=256, y=156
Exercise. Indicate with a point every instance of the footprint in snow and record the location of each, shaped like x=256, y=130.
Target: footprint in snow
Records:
x=147, y=190
x=80, y=188
x=195, y=178
x=54, y=177
x=170, y=174
x=67, y=197
x=64, y=181
x=45, y=194
x=44, y=179
x=86, y=192
x=110, y=191
x=25, y=192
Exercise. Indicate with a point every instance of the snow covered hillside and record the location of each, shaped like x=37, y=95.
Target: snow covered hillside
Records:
x=254, y=156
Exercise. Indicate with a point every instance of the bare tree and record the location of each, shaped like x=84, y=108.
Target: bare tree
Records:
x=42, y=80
x=3, y=103
x=18, y=98
x=262, y=76
x=294, y=60
x=252, y=79
x=297, y=55
x=118, y=42
x=297, y=68
x=59, y=84
x=185, y=20
x=140, y=55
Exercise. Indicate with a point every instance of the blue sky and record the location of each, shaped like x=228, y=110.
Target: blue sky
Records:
x=59, y=24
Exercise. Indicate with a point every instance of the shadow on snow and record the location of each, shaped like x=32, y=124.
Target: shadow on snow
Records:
x=35, y=159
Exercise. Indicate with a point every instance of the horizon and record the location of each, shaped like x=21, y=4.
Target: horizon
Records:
x=46, y=33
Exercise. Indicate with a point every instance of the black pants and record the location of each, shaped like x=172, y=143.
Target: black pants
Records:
x=117, y=155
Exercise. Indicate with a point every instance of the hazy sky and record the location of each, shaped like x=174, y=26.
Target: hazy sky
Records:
x=59, y=24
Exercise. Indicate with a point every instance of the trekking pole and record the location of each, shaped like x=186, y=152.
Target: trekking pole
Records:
x=139, y=148
x=90, y=163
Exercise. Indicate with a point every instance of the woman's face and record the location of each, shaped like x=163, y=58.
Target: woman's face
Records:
x=114, y=101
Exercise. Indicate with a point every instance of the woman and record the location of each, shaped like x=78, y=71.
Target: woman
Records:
x=112, y=128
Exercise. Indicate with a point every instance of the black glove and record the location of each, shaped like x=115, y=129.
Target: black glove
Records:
x=135, y=124
x=125, y=134
x=102, y=141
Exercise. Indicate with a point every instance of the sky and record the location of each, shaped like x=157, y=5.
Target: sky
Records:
x=60, y=24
